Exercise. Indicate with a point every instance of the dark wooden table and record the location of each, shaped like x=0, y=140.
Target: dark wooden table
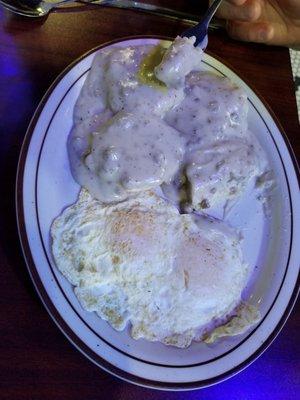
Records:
x=36, y=360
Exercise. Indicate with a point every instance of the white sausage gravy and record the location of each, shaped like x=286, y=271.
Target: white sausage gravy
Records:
x=149, y=117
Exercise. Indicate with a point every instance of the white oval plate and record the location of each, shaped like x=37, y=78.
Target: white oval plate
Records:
x=45, y=186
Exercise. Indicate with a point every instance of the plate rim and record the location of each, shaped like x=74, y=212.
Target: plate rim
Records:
x=45, y=298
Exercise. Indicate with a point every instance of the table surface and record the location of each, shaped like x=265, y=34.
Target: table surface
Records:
x=37, y=361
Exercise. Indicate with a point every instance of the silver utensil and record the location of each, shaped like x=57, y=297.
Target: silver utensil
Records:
x=201, y=29
x=32, y=8
x=37, y=8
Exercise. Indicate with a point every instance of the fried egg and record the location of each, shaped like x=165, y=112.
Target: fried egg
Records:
x=140, y=262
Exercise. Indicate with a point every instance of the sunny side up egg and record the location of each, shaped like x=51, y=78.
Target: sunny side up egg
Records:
x=142, y=262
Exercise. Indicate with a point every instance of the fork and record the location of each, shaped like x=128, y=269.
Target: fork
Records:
x=200, y=30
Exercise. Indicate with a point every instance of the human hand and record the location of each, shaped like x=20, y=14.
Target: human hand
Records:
x=265, y=21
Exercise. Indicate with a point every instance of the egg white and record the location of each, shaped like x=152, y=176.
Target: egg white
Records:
x=140, y=261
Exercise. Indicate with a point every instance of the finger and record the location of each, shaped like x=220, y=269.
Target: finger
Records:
x=248, y=11
x=235, y=2
x=264, y=32
x=259, y=32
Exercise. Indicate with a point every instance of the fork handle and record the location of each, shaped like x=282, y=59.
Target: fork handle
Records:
x=200, y=30
x=210, y=12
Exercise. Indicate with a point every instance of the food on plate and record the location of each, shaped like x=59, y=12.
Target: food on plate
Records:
x=156, y=138
x=178, y=61
x=129, y=153
x=140, y=260
x=221, y=154
x=244, y=316
x=114, y=98
x=150, y=90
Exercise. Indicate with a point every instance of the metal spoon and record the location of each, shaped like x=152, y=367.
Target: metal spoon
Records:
x=32, y=8
x=200, y=30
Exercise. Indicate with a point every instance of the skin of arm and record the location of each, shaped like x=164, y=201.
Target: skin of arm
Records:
x=274, y=22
